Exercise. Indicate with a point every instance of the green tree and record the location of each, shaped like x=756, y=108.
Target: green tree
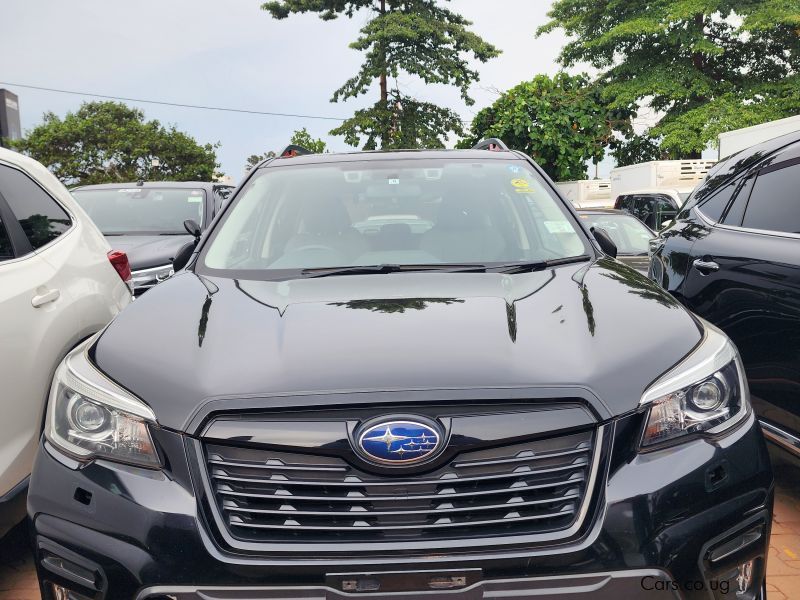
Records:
x=561, y=122
x=109, y=141
x=254, y=159
x=418, y=37
x=301, y=137
x=707, y=66
x=634, y=149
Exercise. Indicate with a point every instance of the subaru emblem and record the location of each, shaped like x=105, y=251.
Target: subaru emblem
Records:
x=399, y=442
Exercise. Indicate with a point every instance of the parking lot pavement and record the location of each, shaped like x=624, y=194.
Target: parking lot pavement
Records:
x=18, y=580
x=17, y=575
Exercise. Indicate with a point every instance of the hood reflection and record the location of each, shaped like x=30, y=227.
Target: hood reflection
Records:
x=396, y=305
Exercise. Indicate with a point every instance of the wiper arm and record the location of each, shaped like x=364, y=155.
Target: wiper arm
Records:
x=527, y=267
x=334, y=271
x=379, y=269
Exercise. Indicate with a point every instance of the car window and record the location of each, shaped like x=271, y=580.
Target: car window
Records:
x=142, y=210
x=735, y=213
x=400, y=212
x=715, y=206
x=41, y=217
x=664, y=203
x=221, y=196
x=775, y=201
x=627, y=232
x=6, y=251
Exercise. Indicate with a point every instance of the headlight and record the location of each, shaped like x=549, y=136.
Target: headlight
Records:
x=89, y=416
x=147, y=278
x=705, y=394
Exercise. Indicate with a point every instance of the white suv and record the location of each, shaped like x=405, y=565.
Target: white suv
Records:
x=59, y=283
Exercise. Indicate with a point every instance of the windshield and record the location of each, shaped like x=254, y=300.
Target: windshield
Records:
x=397, y=212
x=157, y=211
x=629, y=234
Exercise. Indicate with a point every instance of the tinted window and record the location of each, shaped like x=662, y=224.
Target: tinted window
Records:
x=399, y=212
x=715, y=206
x=736, y=211
x=142, y=210
x=665, y=204
x=775, y=202
x=6, y=251
x=41, y=217
x=224, y=192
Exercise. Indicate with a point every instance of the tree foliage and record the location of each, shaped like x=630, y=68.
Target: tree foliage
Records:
x=419, y=37
x=301, y=137
x=707, y=66
x=561, y=122
x=109, y=141
x=254, y=159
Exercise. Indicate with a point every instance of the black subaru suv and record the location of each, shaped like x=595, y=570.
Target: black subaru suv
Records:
x=402, y=375
x=733, y=257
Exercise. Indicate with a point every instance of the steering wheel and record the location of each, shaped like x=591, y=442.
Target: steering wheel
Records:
x=313, y=247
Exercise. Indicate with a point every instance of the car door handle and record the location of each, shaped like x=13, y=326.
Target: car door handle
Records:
x=46, y=298
x=705, y=266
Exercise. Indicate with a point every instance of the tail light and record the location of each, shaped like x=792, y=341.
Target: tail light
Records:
x=119, y=260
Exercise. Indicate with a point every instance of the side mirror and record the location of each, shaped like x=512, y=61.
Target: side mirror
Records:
x=183, y=255
x=605, y=242
x=192, y=228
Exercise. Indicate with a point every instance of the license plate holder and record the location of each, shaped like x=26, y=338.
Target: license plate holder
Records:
x=387, y=582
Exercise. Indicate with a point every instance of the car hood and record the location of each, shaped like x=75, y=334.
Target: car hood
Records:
x=600, y=327
x=145, y=251
x=640, y=262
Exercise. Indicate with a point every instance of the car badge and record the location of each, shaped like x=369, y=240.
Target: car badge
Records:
x=400, y=442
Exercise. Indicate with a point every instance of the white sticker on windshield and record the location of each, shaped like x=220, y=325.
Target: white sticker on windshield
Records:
x=394, y=182
x=194, y=199
x=558, y=226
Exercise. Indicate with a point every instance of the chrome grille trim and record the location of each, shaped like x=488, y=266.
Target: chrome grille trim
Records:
x=343, y=503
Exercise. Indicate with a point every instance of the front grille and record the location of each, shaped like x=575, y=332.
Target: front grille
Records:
x=527, y=488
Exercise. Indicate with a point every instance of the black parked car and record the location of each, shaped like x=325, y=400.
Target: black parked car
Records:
x=733, y=257
x=651, y=207
x=630, y=236
x=402, y=375
x=145, y=220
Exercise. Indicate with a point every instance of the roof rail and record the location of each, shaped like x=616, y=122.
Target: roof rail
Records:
x=294, y=150
x=492, y=144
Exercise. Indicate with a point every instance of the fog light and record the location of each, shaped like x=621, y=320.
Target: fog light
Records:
x=744, y=576
x=62, y=593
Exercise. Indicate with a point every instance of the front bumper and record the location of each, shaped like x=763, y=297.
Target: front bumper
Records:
x=645, y=584
x=676, y=522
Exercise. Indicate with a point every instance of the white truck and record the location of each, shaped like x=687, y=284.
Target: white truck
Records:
x=590, y=193
x=675, y=178
x=732, y=142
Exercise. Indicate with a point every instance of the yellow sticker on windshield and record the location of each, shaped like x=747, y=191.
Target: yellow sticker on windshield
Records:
x=520, y=183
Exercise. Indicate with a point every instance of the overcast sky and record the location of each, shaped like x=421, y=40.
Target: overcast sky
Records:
x=232, y=54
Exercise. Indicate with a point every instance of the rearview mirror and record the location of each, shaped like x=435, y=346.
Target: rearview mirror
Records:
x=605, y=242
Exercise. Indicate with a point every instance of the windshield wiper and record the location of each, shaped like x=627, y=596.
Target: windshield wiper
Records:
x=380, y=269
x=527, y=267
